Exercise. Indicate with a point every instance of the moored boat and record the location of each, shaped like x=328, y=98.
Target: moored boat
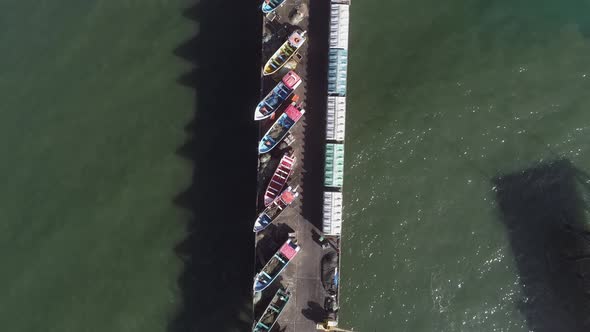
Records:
x=276, y=265
x=275, y=208
x=269, y=6
x=274, y=99
x=280, y=128
x=273, y=311
x=285, y=52
x=279, y=178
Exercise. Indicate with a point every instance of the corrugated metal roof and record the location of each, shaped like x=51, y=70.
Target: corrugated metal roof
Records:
x=334, y=170
x=336, y=118
x=337, y=71
x=339, y=20
x=332, y=219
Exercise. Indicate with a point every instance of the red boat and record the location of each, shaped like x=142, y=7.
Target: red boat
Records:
x=279, y=178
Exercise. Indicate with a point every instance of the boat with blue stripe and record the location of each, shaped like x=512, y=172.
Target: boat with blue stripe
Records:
x=269, y=6
x=276, y=265
x=275, y=98
x=280, y=128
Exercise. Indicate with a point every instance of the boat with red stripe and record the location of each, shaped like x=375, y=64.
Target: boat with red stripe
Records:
x=279, y=178
x=272, y=212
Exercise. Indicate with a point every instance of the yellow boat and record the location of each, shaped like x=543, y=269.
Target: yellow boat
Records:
x=285, y=52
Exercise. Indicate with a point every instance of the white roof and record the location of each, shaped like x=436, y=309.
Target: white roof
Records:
x=339, y=18
x=332, y=213
x=336, y=118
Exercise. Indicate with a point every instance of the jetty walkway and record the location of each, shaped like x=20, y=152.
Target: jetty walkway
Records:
x=314, y=219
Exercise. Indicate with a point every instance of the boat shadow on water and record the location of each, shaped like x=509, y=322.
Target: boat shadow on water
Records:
x=216, y=281
x=545, y=210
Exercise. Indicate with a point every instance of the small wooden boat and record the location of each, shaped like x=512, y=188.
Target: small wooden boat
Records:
x=273, y=311
x=280, y=128
x=269, y=6
x=275, y=208
x=276, y=265
x=285, y=52
x=281, y=92
x=279, y=178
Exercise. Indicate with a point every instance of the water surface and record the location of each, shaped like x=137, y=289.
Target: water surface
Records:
x=443, y=100
x=91, y=118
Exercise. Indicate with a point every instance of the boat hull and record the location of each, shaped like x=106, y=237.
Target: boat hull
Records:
x=285, y=53
x=277, y=96
x=276, y=264
x=267, y=143
x=274, y=310
x=279, y=179
x=266, y=8
x=274, y=210
x=262, y=222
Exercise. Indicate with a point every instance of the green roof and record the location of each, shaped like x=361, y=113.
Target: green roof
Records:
x=334, y=171
x=337, y=71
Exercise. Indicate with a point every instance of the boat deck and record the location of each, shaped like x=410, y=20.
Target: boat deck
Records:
x=304, y=218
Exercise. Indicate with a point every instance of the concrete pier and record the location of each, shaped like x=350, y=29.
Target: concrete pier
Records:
x=312, y=299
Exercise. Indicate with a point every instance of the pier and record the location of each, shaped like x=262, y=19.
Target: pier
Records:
x=314, y=220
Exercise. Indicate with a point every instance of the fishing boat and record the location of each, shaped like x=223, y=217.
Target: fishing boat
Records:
x=269, y=6
x=281, y=92
x=276, y=265
x=273, y=311
x=280, y=128
x=285, y=52
x=275, y=208
x=279, y=178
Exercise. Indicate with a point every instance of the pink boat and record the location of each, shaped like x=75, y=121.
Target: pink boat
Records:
x=279, y=178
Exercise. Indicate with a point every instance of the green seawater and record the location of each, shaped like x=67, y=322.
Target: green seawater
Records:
x=91, y=116
x=443, y=98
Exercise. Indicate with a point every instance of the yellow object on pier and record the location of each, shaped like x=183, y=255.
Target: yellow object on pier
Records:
x=330, y=326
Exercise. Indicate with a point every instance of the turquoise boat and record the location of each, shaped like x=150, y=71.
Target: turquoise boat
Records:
x=273, y=311
x=275, y=265
x=269, y=6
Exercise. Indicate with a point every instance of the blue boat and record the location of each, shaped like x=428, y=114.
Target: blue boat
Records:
x=282, y=91
x=269, y=6
x=275, y=265
x=280, y=128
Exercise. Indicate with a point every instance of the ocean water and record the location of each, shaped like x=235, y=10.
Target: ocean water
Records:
x=446, y=102
x=456, y=110
x=114, y=169
x=91, y=118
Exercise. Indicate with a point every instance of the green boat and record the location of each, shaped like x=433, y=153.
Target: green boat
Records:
x=273, y=311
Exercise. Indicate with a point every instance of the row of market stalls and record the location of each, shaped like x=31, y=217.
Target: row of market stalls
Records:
x=336, y=117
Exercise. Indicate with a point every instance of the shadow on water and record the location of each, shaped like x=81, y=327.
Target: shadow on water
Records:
x=216, y=282
x=545, y=211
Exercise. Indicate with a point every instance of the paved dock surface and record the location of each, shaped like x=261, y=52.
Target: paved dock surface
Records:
x=304, y=217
